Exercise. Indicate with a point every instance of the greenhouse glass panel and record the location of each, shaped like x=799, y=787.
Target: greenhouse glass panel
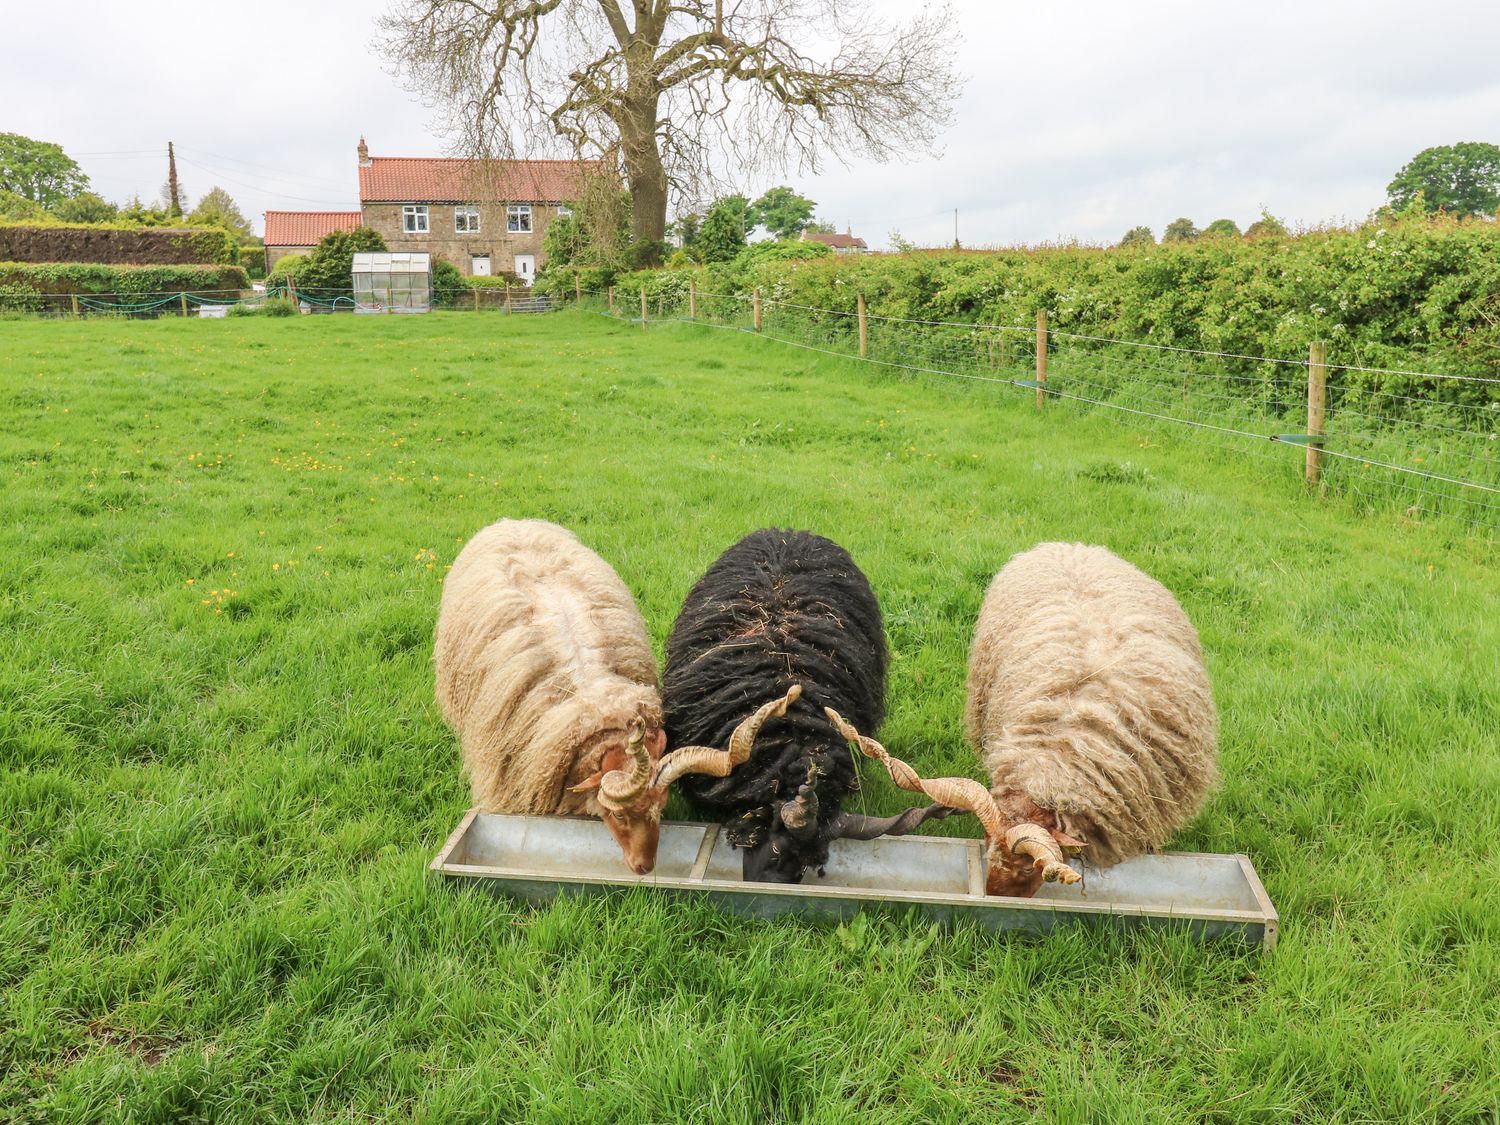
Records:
x=387, y=282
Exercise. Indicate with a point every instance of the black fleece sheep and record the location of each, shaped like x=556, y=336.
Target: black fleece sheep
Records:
x=780, y=609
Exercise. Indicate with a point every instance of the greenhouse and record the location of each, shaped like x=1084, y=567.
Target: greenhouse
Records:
x=398, y=283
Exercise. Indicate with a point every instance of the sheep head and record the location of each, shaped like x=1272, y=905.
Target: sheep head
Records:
x=1020, y=856
x=629, y=805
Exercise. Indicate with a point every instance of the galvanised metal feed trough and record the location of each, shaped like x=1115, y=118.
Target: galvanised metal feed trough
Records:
x=538, y=858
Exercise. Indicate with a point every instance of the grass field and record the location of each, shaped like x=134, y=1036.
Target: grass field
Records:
x=221, y=551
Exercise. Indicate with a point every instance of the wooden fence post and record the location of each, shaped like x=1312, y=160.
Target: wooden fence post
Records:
x=1041, y=357
x=182, y=297
x=611, y=300
x=643, y=310
x=578, y=288
x=757, y=308
x=507, y=298
x=1317, y=397
x=75, y=306
x=692, y=299
x=864, y=327
x=476, y=298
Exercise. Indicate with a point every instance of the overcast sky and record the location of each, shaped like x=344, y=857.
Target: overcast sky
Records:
x=1079, y=119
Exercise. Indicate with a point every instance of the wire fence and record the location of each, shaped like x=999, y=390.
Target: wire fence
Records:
x=1423, y=444
x=223, y=302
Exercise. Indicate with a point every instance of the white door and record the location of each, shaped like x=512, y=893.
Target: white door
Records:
x=479, y=267
x=526, y=268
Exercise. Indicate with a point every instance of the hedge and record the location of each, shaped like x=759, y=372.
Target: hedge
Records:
x=79, y=277
x=1398, y=293
x=117, y=245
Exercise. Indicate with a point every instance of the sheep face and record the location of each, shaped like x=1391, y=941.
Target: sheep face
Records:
x=634, y=821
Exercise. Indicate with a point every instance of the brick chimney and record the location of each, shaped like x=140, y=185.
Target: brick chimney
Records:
x=364, y=153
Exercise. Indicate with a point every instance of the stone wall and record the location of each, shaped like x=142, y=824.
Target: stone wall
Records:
x=442, y=241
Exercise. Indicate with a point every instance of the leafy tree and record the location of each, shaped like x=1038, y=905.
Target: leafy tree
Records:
x=85, y=207
x=563, y=242
x=1267, y=226
x=783, y=212
x=685, y=228
x=134, y=211
x=821, y=226
x=330, y=264
x=38, y=171
x=665, y=88
x=1463, y=179
x=13, y=206
x=741, y=211
x=1138, y=236
x=218, y=209
x=1180, y=230
x=1222, y=228
x=722, y=234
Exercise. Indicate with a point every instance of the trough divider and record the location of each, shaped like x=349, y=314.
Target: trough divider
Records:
x=976, y=870
x=705, y=853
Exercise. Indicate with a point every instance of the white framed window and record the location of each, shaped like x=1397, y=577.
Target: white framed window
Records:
x=466, y=220
x=414, y=218
x=564, y=211
x=518, y=218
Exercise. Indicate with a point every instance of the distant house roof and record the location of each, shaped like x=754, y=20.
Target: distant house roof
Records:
x=425, y=179
x=306, y=228
x=837, y=241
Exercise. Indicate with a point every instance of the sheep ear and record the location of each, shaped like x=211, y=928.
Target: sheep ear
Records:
x=587, y=784
x=1068, y=844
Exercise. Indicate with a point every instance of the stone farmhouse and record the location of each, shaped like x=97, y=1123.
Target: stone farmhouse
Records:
x=486, y=217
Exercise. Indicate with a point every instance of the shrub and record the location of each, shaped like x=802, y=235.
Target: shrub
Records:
x=330, y=265
x=280, y=306
x=20, y=298
x=84, y=277
x=285, y=270
x=447, y=282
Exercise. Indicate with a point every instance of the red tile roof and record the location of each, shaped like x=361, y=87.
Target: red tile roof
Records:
x=306, y=228
x=837, y=241
x=422, y=179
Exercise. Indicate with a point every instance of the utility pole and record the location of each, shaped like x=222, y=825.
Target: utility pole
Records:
x=955, y=228
x=174, y=191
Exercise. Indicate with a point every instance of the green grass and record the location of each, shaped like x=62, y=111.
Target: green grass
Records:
x=215, y=815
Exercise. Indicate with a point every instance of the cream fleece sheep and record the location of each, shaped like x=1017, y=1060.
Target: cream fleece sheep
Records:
x=1088, y=698
x=543, y=663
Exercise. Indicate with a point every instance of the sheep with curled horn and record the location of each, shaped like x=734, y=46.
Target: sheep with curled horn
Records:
x=1090, y=702
x=790, y=614
x=546, y=675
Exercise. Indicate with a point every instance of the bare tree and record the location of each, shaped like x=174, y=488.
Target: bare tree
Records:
x=677, y=89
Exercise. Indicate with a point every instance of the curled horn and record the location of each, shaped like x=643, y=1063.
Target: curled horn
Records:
x=1039, y=845
x=719, y=763
x=800, y=814
x=619, y=789
x=855, y=826
x=956, y=792
x=1024, y=839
